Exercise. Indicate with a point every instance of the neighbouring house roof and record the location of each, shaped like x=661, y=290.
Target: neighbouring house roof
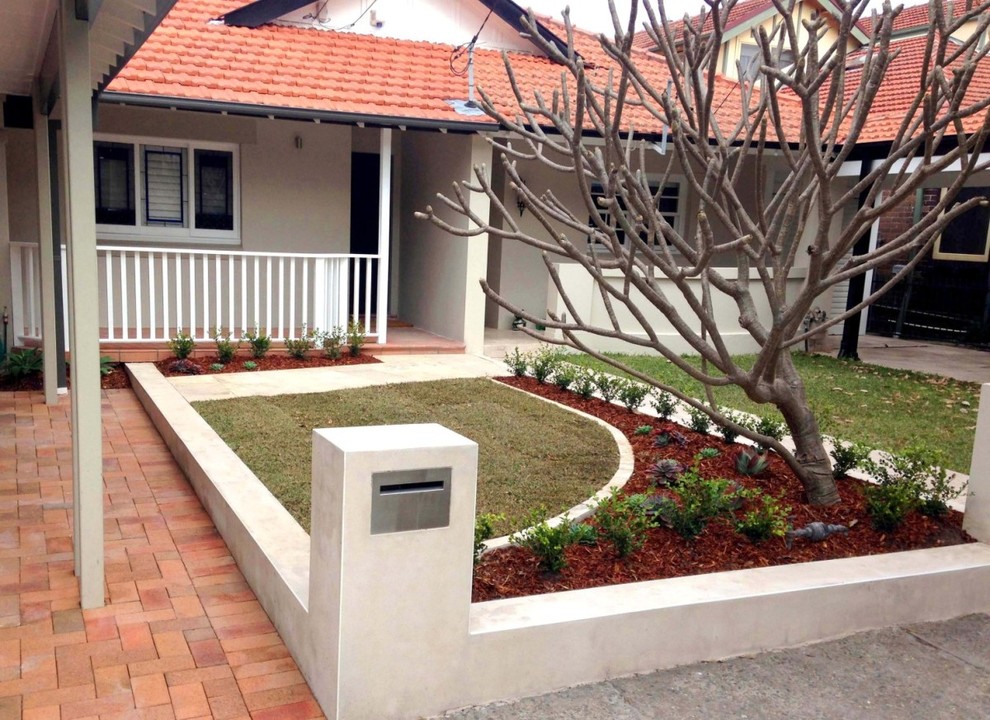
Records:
x=190, y=58
x=916, y=16
x=742, y=15
x=901, y=85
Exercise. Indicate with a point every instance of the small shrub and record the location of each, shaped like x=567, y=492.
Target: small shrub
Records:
x=700, y=422
x=751, y=462
x=548, y=542
x=888, y=504
x=564, y=376
x=226, y=348
x=632, y=394
x=665, y=471
x=250, y=365
x=298, y=347
x=608, y=386
x=584, y=383
x=332, y=342
x=698, y=501
x=708, y=452
x=260, y=342
x=923, y=473
x=24, y=363
x=664, y=403
x=643, y=430
x=623, y=521
x=181, y=345
x=667, y=437
x=355, y=337
x=216, y=367
x=185, y=367
x=769, y=427
x=545, y=362
x=846, y=456
x=484, y=529
x=728, y=434
x=107, y=365
x=517, y=362
x=766, y=518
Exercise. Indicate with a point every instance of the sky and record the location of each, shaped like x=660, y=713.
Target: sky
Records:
x=594, y=14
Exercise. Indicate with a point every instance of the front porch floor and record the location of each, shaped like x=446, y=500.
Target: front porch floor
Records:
x=401, y=340
x=182, y=635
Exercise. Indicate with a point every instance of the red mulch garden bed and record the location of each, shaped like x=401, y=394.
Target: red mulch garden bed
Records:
x=514, y=571
x=271, y=361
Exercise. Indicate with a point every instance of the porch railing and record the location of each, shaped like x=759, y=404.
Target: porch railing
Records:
x=148, y=294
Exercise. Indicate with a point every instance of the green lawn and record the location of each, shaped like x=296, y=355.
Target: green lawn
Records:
x=887, y=409
x=532, y=453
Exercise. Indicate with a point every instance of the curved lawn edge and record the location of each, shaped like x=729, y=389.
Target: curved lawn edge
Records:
x=587, y=508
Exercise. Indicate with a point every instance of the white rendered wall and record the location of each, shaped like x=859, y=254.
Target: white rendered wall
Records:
x=292, y=199
x=439, y=289
x=451, y=22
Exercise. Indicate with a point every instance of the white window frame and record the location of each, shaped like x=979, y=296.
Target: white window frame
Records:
x=982, y=257
x=654, y=180
x=190, y=234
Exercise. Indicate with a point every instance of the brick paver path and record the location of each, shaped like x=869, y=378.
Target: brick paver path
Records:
x=182, y=635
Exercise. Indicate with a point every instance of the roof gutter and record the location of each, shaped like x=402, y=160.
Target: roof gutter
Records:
x=288, y=113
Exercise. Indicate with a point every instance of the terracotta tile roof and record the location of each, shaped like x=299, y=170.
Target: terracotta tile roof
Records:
x=306, y=69
x=916, y=16
x=743, y=12
x=900, y=86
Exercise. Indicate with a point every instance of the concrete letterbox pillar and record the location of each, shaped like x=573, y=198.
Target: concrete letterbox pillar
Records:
x=976, y=521
x=390, y=566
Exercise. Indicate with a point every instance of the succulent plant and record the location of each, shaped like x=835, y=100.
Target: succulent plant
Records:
x=667, y=437
x=751, y=462
x=185, y=367
x=666, y=471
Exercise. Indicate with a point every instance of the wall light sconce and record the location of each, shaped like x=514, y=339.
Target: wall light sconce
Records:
x=520, y=203
x=298, y=141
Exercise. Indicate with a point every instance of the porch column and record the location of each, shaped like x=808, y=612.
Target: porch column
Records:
x=87, y=425
x=476, y=262
x=46, y=252
x=384, y=226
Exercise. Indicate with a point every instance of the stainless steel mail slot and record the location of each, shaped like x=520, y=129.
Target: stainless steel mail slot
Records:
x=410, y=500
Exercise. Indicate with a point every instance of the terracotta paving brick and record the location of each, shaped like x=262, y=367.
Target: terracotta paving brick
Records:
x=181, y=620
x=150, y=690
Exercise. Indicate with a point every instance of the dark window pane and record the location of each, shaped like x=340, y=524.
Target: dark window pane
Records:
x=114, y=163
x=667, y=205
x=967, y=234
x=214, y=190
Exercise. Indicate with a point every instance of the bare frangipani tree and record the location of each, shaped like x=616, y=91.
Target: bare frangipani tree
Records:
x=806, y=108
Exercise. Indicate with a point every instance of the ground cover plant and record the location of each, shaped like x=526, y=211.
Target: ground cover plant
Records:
x=709, y=517
x=532, y=454
x=882, y=408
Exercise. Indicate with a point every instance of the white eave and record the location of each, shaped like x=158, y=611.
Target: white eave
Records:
x=118, y=28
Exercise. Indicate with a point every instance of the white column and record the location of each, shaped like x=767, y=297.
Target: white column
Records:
x=6, y=259
x=476, y=262
x=976, y=520
x=87, y=448
x=384, y=226
x=46, y=252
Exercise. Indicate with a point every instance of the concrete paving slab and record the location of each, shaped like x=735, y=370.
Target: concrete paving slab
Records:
x=391, y=369
x=954, y=361
x=935, y=670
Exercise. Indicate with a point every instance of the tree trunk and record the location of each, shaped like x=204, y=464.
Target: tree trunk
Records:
x=813, y=467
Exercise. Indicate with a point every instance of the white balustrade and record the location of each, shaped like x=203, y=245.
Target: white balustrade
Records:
x=149, y=294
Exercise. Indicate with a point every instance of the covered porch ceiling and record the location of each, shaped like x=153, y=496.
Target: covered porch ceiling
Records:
x=117, y=28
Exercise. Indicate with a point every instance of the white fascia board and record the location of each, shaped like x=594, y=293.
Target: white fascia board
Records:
x=850, y=168
x=915, y=163
x=835, y=12
x=749, y=24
